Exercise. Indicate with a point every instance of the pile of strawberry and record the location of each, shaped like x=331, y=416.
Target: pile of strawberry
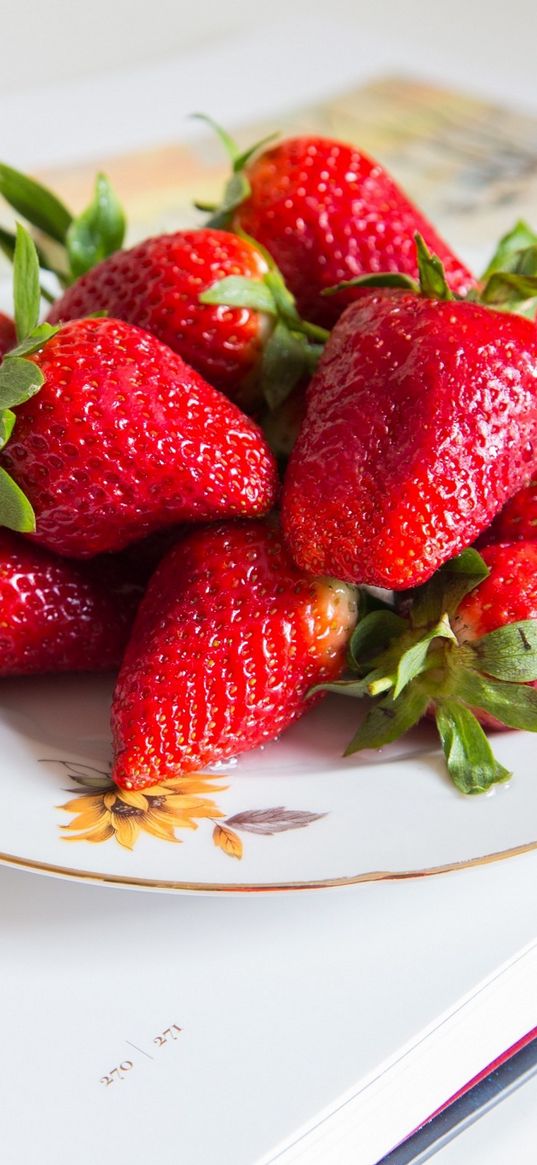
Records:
x=145, y=429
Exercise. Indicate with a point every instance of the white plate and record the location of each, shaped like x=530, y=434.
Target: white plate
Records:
x=292, y=815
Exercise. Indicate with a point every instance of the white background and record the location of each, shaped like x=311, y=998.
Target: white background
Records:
x=63, y=39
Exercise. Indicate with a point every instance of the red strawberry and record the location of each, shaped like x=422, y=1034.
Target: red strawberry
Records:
x=124, y=438
x=327, y=213
x=507, y=595
x=157, y=285
x=462, y=648
x=421, y=422
x=58, y=616
x=8, y=337
x=228, y=641
x=517, y=520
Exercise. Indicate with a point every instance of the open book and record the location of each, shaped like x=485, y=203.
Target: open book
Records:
x=306, y=1027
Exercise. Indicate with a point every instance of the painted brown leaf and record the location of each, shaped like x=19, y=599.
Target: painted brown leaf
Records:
x=269, y=821
x=227, y=840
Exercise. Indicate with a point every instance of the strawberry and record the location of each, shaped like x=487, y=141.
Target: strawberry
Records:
x=58, y=616
x=462, y=648
x=518, y=519
x=116, y=436
x=507, y=595
x=124, y=438
x=327, y=213
x=8, y=337
x=229, y=638
x=421, y=422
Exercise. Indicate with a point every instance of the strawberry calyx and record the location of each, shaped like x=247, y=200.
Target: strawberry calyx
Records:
x=410, y=662
x=237, y=188
x=509, y=282
x=69, y=245
x=294, y=345
x=20, y=378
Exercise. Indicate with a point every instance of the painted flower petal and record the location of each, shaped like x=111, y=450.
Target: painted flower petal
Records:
x=127, y=830
x=88, y=821
x=156, y=791
x=100, y=834
x=192, y=785
x=188, y=804
x=133, y=798
x=151, y=824
x=87, y=801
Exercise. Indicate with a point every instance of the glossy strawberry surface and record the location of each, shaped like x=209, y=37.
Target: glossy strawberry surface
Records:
x=327, y=213
x=228, y=640
x=518, y=519
x=157, y=285
x=124, y=438
x=8, y=337
x=57, y=615
x=421, y=422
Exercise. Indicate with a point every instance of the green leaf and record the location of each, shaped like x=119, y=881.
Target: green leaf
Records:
x=229, y=143
x=389, y=719
x=35, y=340
x=471, y=763
x=19, y=380
x=372, y=634
x=369, y=601
x=243, y=157
x=26, y=290
x=38, y=205
x=283, y=298
x=7, y=422
x=286, y=359
x=414, y=659
x=98, y=231
x=510, y=653
x=239, y=158
x=354, y=688
x=511, y=276
x=433, y=282
x=15, y=510
x=236, y=191
x=237, y=188
x=526, y=262
x=240, y=291
x=514, y=705
x=288, y=354
x=7, y=246
x=460, y=576
x=507, y=254
x=378, y=279
x=446, y=589
x=506, y=288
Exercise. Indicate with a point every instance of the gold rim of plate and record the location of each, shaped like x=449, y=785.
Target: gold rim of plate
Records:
x=123, y=880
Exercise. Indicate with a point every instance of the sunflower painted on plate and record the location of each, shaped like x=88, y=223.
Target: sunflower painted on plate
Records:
x=160, y=810
x=103, y=811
